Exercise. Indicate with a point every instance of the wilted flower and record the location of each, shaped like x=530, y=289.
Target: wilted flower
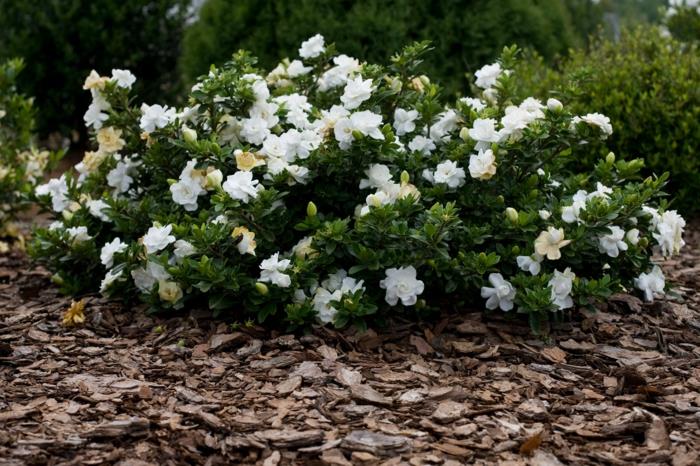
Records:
x=549, y=243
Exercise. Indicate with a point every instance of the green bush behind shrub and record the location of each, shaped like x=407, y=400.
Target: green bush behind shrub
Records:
x=466, y=33
x=62, y=40
x=647, y=84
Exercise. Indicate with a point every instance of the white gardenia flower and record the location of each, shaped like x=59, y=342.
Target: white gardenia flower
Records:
x=515, y=120
x=422, y=145
x=242, y=186
x=145, y=278
x=57, y=189
x=571, y=213
x=402, y=284
x=296, y=68
x=110, y=277
x=155, y=117
x=562, y=284
x=313, y=47
x=378, y=176
x=185, y=193
x=271, y=271
x=95, y=116
x=476, y=104
x=119, y=178
x=123, y=78
x=356, y=91
x=612, y=243
x=158, y=238
x=254, y=130
x=500, y=294
x=404, y=121
x=484, y=132
x=444, y=125
x=650, y=283
x=366, y=122
x=598, y=120
x=108, y=251
x=338, y=75
x=183, y=249
x=482, y=166
x=78, y=234
x=530, y=263
x=487, y=76
x=96, y=207
x=669, y=232
x=334, y=288
x=449, y=173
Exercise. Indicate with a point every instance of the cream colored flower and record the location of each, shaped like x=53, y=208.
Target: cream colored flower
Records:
x=247, y=244
x=246, y=161
x=169, y=291
x=549, y=243
x=95, y=81
x=110, y=139
x=4, y=171
x=93, y=160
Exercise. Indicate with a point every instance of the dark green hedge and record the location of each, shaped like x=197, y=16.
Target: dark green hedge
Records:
x=62, y=40
x=647, y=83
x=466, y=33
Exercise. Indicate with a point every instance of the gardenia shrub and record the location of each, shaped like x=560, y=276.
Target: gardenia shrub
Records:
x=22, y=165
x=329, y=190
x=647, y=84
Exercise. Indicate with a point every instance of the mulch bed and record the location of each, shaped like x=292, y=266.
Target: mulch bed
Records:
x=620, y=386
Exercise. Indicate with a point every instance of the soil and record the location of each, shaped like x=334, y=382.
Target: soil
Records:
x=618, y=386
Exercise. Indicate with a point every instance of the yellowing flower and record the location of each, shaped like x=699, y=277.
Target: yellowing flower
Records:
x=110, y=140
x=549, y=243
x=93, y=160
x=95, y=81
x=247, y=244
x=169, y=291
x=74, y=315
x=246, y=161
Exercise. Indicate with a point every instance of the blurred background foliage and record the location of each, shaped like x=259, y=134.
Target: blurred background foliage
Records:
x=62, y=40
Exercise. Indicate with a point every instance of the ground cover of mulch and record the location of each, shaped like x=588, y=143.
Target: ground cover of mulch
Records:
x=621, y=386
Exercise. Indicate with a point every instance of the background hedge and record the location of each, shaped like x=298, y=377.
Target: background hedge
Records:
x=62, y=40
x=465, y=33
x=647, y=83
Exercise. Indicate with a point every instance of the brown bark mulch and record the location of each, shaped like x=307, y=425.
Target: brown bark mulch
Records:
x=619, y=386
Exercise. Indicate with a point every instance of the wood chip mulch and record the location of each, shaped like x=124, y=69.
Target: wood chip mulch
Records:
x=619, y=386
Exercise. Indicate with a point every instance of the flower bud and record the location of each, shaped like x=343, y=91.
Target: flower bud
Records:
x=464, y=134
x=67, y=215
x=214, y=179
x=610, y=158
x=643, y=242
x=311, y=209
x=515, y=249
x=357, y=135
x=553, y=105
x=57, y=279
x=405, y=177
x=500, y=199
x=512, y=215
x=188, y=134
x=262, y=288
x=417, y=85
x=395, y=84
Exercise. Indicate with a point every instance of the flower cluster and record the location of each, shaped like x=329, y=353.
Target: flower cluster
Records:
x=22, y=164
x=331, y=190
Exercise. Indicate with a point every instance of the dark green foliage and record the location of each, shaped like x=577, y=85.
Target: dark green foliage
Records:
x=648, y=85
x=685, y=24
x=62, y=40
x=466, y=34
